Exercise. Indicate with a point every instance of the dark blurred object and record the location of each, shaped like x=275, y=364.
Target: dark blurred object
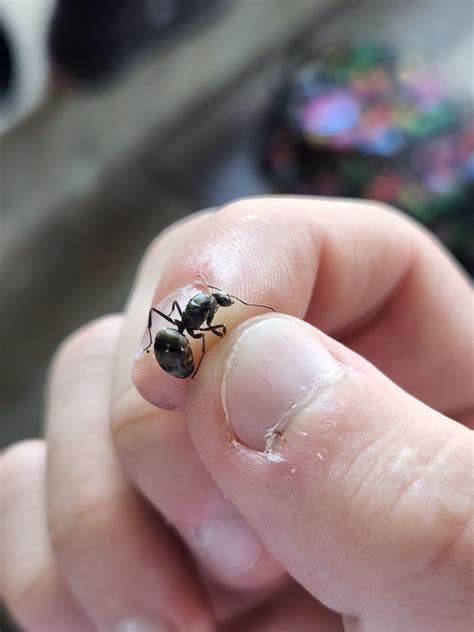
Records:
x=365, y=122
x=91, y=40
x=6, y=623
x=6, y=62
x=23, y=58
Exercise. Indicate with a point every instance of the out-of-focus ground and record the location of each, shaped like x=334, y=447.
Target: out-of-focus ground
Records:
x=90, y=180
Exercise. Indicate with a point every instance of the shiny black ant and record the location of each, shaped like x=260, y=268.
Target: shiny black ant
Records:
x=172, y=349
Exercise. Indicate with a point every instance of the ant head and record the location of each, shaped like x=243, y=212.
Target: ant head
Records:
x=224, y=300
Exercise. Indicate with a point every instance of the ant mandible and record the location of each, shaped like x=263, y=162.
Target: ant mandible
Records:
x=172, y=349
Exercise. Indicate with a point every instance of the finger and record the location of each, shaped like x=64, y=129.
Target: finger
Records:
x=366, y=499
x=294, y=610
x=357, y=271
x=33, y=588
x=122, y=562
x=157, y=452
x=133, y=336
x=155, y=449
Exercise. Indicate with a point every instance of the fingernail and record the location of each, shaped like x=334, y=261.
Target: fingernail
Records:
x=139, y=624
x=227, y=545
x=275, y=365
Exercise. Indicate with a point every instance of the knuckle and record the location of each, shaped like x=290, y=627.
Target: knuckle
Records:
x=433, y=514
x=380, y=207
x=454, y=552
x=420, y=515
x=244, y=206
x=449, y=575
x=245, y=209
x=410, y=227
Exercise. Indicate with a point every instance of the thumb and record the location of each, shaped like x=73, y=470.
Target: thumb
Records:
x=362, y=492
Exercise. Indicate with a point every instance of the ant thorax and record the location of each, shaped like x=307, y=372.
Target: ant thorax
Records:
x=200, y=309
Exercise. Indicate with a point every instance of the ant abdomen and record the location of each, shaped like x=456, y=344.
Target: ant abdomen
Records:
x=173, y=352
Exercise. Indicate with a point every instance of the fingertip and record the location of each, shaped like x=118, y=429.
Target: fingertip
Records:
x=156, y=387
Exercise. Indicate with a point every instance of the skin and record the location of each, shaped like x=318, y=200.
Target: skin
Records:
x=359, y=518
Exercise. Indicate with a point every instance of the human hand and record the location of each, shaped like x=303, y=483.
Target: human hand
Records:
x=362, y=501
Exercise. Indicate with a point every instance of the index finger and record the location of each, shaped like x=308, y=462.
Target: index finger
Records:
x=360, y=272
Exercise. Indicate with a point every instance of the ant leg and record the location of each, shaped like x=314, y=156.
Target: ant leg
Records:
x=214, y=328
x=174, y=306
x=149, y=325
x=197, y=336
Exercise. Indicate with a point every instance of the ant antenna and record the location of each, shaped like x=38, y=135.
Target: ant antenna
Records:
x=213, y=287
x=203, y=280
x=251, y=304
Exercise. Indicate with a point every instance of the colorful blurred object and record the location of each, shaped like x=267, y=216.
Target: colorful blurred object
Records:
x=362, y=121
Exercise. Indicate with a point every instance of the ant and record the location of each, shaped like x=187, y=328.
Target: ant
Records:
x=172, y=349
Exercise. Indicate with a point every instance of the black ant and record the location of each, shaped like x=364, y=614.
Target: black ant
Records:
x=172, y=349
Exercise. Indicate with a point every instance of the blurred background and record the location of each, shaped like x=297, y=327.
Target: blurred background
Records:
x=118, y=117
